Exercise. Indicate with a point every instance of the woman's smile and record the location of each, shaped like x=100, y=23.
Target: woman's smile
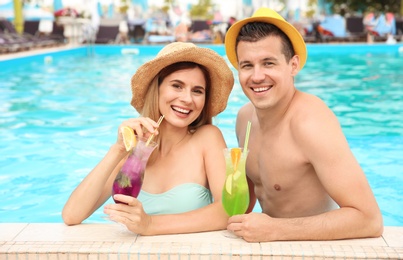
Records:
x=181, y=110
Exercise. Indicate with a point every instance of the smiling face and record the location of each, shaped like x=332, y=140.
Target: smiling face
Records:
x=182, y=95
x=264, y=73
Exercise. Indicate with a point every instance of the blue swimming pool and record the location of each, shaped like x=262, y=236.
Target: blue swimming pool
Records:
x=60, y=112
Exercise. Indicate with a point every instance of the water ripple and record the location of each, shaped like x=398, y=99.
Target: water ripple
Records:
x=57, y=120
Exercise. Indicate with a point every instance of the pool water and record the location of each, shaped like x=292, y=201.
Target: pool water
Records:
x=59, y=114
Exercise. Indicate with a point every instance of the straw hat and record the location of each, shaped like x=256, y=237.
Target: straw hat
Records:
x=266, y=15
x=222, y=79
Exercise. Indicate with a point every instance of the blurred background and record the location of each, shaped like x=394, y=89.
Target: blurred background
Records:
x=162, y=21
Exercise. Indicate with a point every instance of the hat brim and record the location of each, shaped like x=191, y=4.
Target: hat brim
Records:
x=295, y=37
x=222, y=78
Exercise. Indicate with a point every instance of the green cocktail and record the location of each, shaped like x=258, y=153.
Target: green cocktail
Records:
x=235, y=194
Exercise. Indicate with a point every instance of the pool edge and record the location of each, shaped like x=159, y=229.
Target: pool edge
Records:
x=316, y=48
x=112, y=241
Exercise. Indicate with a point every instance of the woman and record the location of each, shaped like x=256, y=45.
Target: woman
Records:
x=182, y=185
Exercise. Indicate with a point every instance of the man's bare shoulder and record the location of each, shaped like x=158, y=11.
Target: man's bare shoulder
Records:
x=309, y=101
x=245, y=111
x=308, y=107
x=245, y=114
x=312, y=118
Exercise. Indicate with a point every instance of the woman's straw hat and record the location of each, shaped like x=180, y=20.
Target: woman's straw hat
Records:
x=222, y=79
x=265, y=15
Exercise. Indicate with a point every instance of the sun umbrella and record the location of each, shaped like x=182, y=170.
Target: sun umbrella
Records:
x=34, y=13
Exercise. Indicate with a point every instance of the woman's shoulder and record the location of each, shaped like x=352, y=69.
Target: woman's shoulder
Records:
x=208, y=134
x=207, y=130
x=209, y=140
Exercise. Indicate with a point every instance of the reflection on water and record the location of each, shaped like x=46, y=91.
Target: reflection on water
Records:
x=59, y=118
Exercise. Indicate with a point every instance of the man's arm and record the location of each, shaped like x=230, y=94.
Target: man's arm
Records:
x=320, y=137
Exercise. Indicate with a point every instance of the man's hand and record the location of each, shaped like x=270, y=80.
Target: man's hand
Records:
x=252, y=227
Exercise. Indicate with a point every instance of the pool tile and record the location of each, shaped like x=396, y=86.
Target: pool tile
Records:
x=379, y=241
x=111, y=241
x=10, y=230
x=393, y=236
x=217, y=236
x=83, y=232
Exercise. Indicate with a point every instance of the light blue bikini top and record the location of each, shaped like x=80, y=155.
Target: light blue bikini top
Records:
x=182, y=198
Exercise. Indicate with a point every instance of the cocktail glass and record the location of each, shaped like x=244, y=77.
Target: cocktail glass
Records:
x=130, y=177
x=235, y=194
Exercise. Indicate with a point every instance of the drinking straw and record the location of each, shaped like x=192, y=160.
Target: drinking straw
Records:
x=245, y=146
x=152, y=136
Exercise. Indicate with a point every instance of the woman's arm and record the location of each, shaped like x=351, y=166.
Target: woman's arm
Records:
x=210, y=217
x=95, y=188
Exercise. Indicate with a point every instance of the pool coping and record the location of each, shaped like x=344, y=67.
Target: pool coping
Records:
x=113, y=241
x=133, y=49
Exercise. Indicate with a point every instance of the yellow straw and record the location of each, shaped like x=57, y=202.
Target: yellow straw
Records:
x=152, y=136
x=245, y=146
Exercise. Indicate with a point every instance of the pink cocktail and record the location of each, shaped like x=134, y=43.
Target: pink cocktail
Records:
x=130, y=177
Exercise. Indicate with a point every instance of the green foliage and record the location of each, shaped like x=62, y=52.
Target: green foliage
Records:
x=203, y=10
x=393, y=6
x=167, y=5
x=311, y=11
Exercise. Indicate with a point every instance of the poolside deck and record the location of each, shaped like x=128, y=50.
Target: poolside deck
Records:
x=112, y=241
x=13, y=55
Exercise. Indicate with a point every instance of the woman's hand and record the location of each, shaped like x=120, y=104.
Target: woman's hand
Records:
x=142, y=127
x=131, y=214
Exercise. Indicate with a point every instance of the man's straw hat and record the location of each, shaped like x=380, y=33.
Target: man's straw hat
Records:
x=266, y=15
x=222, y=79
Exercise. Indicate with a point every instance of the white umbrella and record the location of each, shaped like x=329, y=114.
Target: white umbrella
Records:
x=37, y=13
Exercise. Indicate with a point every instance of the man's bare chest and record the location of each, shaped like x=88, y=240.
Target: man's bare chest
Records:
x=275, y=163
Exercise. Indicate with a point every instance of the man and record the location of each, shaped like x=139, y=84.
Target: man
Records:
x=302, y=171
